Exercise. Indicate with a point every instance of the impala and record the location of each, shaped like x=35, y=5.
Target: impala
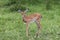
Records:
x=36, y=17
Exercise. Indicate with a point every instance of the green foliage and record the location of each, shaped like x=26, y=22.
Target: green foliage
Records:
x=56, y=2
x=14, y=5
x=13, y=28
x=3, y=2
x=17, y=7
x=48, y=4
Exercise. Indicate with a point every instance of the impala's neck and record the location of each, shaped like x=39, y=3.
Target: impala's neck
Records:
x=23, y=17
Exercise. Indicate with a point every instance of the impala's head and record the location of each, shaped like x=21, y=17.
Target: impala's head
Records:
x=23, y=12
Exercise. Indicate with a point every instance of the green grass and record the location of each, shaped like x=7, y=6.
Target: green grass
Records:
x=13, y=28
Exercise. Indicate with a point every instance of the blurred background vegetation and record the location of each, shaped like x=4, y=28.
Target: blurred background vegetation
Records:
x=13, y=28
x=14, y=5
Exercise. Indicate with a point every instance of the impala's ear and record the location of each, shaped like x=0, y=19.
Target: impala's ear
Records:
x=26, y=10
x=19, y=10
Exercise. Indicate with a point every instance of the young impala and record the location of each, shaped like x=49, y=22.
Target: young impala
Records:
x=36, y=17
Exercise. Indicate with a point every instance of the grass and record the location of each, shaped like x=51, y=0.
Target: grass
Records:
x=13, y=28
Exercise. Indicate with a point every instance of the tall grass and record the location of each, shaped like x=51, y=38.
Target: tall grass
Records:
x=13, y=28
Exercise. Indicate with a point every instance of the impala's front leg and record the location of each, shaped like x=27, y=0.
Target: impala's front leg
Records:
x=27, y=29
x=38, y=26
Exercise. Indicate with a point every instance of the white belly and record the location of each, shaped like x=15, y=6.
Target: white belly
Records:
x=32, y=20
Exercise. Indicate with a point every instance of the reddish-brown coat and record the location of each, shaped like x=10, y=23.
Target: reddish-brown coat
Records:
x=37, y=16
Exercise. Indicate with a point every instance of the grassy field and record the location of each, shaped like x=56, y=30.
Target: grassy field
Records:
x=13, y=28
